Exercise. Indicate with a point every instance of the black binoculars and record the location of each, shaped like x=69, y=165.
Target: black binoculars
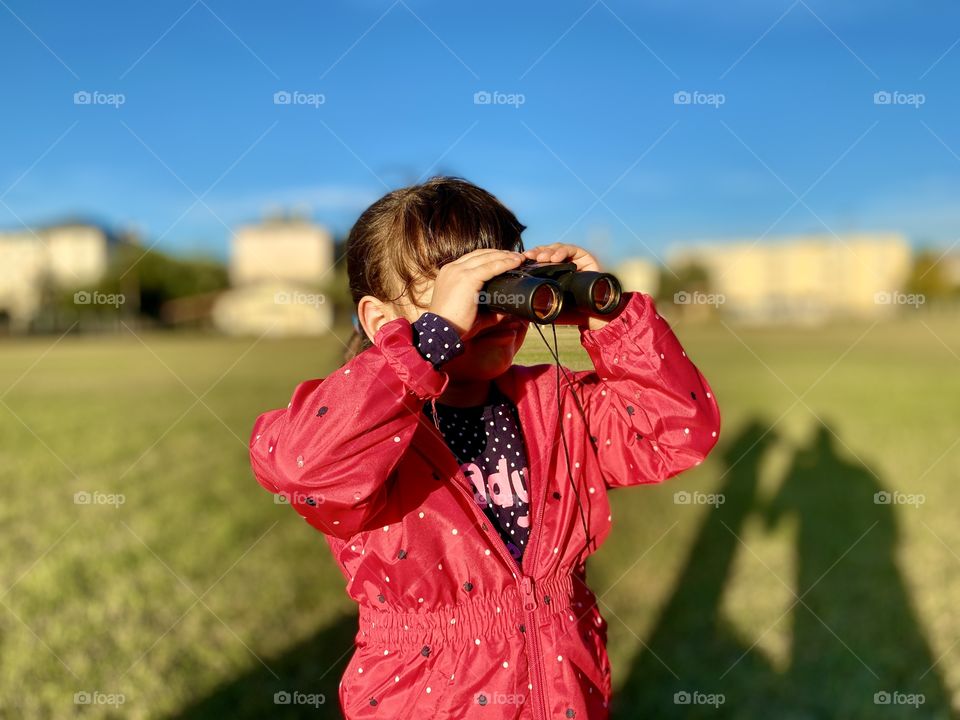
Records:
x=540, y=291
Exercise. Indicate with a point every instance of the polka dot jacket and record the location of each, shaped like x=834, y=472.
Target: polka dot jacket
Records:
x=451, y=625
x=486, y=441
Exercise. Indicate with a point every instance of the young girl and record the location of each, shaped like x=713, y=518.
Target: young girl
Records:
x=461, y=494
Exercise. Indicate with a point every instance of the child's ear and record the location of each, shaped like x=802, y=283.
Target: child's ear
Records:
x=372, y=313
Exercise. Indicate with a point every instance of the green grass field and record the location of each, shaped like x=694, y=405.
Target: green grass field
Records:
x=200, y=597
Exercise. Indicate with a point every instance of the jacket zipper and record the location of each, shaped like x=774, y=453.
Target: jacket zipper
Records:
x=526, y=583
x=528, y=589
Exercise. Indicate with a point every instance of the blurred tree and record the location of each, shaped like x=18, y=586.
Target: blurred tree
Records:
x=689, y=277
x=157, y=277
x=929, y=278
x=138, y=282
x=681, y=285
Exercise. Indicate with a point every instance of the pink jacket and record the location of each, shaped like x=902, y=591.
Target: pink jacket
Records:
x=450, y=625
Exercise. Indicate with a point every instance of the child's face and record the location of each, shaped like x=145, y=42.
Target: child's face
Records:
x=487, y=354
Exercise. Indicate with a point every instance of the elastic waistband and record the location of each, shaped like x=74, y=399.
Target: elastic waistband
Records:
x=481, y=617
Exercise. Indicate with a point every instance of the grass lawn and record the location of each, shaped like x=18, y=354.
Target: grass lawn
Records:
x=800, y=596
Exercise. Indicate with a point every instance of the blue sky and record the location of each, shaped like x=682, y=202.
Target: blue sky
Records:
x=597, y=154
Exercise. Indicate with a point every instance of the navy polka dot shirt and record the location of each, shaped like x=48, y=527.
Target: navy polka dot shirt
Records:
x=486, y=440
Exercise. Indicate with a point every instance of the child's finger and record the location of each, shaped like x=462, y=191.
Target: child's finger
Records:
x=493, y=256
x=491, y=268
x=466, y=257
x=556, y=252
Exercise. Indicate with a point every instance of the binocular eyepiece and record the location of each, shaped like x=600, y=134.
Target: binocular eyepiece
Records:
x=540, y=291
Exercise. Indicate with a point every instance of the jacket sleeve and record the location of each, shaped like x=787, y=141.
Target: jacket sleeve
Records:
x=650, y=412
x=332, y=450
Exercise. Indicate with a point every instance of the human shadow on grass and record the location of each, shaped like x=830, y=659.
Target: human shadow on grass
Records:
x=854, y=632
x=313, y=667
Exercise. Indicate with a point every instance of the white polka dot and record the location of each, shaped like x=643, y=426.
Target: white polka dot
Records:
x=396, y=438
x=420, y=515
x=506, y=664
x=454, y=531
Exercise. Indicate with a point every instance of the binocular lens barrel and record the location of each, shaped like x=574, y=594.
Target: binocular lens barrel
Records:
x=546, y=301
x=593, y=291
x=540, y=291
x=603, y=294
x=532, y=298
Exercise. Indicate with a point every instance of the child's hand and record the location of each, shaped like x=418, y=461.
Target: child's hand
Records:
x=459, y=283
x=560, y=252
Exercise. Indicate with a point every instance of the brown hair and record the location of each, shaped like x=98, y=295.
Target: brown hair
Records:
x=411, y=232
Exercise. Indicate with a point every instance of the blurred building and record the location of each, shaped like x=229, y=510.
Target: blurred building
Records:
x=638, y=275
x=277, y=268
x=53, y=258
x=802, y=278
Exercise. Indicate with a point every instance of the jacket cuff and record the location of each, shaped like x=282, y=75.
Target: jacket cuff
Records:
x=435, y=339
x=634, y=307
x=395, y=341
